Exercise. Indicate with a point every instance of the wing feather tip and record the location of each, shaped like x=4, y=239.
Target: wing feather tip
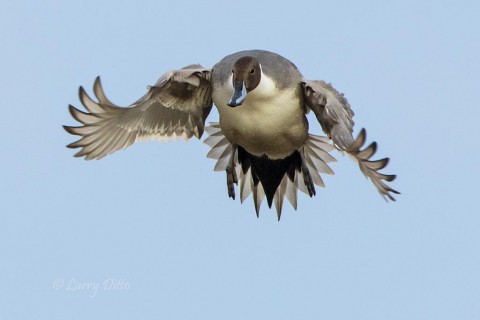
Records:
x=70, y=130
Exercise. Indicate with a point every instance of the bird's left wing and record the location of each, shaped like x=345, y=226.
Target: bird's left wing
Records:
x=176, y=106
x=336, y=118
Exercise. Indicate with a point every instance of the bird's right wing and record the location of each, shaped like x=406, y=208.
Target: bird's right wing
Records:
x=176, y=106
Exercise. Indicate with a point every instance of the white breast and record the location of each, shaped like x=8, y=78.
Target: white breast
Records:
x=269, y=122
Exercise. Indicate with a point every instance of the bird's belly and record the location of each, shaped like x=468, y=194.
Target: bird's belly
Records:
x=272, y=127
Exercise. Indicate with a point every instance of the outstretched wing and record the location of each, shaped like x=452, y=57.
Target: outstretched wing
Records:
x=336, y=118
x=176, y=106
x=332, y=111
x=371, y=168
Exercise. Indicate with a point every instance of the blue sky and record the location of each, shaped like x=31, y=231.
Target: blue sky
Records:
x=156, y=219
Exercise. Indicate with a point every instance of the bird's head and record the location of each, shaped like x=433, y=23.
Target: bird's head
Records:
x=246, y=75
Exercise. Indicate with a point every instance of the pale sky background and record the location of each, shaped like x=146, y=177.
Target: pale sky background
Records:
x=158, y=217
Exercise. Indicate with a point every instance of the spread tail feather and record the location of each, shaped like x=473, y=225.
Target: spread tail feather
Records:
x=273, y=179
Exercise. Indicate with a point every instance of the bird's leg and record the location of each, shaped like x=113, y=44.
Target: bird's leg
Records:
x=307, y=178
x=231, y=174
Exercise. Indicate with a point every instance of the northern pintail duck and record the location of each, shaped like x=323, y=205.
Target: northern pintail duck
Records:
x=262, y=139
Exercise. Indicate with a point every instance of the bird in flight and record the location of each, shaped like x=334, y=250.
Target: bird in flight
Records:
x=262, y=139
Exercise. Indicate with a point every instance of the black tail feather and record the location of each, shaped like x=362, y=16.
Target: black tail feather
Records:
x=269, y=172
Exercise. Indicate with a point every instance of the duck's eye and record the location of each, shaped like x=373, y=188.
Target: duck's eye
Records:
x=252, y=71
x=233, y=71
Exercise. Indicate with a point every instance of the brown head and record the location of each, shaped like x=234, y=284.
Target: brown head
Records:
x=246, y=77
